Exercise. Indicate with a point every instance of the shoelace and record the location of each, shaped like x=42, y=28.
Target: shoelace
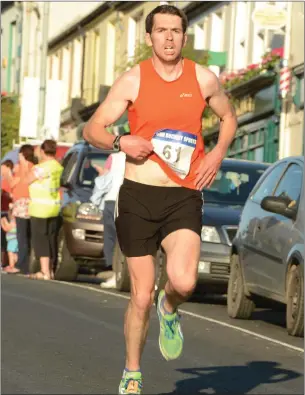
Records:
x=171, y=327
x=132, y=384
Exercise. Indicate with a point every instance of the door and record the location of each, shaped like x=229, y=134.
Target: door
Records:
x=275, y=233
x=254, y=213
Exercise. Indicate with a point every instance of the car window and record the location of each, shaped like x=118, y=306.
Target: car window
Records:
x=69, y=165
x=233, y=184
x=291, y=183
x=65, y=160
x=88, y=172
x=266, y=187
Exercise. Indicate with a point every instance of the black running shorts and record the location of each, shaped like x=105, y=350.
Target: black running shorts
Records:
x=147, y=214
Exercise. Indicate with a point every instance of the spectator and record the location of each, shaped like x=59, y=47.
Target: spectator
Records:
x=21, y=199
x=44, y=209
x=9, y=226
x=6, y=170
x=116, y=175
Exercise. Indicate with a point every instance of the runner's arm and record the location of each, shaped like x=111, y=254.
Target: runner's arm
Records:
x=220, y=104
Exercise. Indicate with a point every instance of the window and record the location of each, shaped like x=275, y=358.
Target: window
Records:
x=267, y=185
x=298, y=98
x=96, y=66
x=233, y=184
x=239, y=59
x=291, y=183
x=199, y=36
x=77, y=68
x=65, y=75
x=68, y=164
x=135, y=33
x=110, y=51
x=88, y=172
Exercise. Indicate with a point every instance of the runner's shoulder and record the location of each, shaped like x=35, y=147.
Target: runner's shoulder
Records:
x=128, y=83
x=208, y=81
x=131, y=76
x=205, y=75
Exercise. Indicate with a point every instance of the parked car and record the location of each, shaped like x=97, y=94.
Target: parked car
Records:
x=80, y=241
x=268, y=251
x=223, y=203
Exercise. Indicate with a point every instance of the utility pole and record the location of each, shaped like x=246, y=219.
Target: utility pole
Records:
x=43, y=68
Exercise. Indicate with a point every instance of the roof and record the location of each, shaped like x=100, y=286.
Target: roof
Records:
x=246, y=163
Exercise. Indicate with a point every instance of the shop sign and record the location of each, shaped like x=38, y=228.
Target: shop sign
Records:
x=270, y=17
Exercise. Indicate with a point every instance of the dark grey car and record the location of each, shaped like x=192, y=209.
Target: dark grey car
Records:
x=268, y=251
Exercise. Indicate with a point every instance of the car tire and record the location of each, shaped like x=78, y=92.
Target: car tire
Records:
x=67, y=267
x=295, y=301
x=120, y=267
x=239, y=305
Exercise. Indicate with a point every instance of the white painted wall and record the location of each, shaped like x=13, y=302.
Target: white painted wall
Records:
x=65, y=14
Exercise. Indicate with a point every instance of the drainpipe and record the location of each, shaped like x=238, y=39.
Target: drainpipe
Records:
x=284, y=143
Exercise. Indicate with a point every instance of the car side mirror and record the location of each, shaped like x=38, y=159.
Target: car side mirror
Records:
x=280, y=205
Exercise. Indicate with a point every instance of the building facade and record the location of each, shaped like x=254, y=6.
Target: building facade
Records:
x=93, y=49
x=292, y=117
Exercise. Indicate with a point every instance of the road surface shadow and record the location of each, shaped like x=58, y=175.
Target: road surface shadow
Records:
x=231, y=379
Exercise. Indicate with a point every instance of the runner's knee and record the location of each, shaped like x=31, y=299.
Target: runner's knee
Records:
x=143, y=299
x=183, y=282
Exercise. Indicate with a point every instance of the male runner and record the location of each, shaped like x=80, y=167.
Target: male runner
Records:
x=160, y=199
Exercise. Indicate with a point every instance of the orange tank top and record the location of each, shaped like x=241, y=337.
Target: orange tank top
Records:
x=170, y=115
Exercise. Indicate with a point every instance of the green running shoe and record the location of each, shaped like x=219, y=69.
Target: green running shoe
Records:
x=131, y=383
x=171, y=337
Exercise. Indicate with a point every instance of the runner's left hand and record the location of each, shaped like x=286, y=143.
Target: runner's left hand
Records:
x=208, y=168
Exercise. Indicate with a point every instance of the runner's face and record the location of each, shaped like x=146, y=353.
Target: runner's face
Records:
x=167, y=38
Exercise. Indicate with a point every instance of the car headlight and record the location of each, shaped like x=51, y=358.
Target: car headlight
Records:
x=89, y=211
x=209, y=234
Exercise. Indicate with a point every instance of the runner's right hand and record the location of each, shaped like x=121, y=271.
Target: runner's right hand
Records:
x=136, y=147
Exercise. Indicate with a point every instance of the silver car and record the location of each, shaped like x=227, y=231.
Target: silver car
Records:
x=267, y=257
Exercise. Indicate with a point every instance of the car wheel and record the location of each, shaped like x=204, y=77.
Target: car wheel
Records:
x=121, y=269
x=160, y=271
x=67, y=267
x=295, y=301
x=239, y=305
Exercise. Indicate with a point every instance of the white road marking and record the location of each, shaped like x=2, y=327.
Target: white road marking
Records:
x=201, y=317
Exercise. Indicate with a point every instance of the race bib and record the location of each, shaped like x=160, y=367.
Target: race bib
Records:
x=175, y=148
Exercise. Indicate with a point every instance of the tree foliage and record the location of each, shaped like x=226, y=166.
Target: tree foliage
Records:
x=10, y=116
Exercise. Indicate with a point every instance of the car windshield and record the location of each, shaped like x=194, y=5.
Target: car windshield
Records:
x=233, y=184
x=88, y=172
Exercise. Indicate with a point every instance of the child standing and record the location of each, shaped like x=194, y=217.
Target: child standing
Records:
x=9, y=226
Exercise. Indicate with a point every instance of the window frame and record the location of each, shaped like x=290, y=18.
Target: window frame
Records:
x=264, y=177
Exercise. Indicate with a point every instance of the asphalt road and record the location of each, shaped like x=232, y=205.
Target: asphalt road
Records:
x=60, y=338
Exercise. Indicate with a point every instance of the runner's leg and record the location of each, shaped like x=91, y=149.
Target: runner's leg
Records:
x=182, y=249
x=142, y=275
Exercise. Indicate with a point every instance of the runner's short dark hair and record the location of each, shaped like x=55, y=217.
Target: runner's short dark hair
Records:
x=49, y=147
x=167, y=10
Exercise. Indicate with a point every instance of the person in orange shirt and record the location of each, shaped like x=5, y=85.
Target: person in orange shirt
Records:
x=6, y=198
x=21, y=200
x=160, y=201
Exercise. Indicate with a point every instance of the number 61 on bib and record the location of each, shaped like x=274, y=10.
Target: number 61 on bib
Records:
x=175, y=148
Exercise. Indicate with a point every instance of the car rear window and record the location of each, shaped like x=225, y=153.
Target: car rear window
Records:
x=233, y=184
x=88, y=172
